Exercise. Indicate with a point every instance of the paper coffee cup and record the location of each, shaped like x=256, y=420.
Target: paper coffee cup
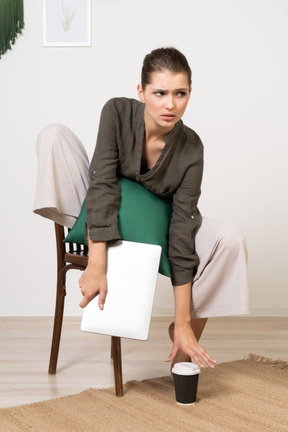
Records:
x=186, y=376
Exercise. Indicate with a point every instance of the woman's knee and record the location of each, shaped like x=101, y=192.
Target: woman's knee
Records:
x=233, y=240
x=52, y=131
x=52, y=135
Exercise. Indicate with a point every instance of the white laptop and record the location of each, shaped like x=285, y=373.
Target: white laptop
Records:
x=132, y=270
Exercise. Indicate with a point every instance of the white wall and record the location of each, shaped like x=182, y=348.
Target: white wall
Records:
x=239, y=106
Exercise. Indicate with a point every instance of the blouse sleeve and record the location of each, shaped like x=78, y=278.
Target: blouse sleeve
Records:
x=103, y=195
x=186, y=220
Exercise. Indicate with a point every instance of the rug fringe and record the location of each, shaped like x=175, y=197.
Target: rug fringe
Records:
x=280, y=364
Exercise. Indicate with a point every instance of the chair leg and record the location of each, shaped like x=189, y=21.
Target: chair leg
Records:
x=58, y=319
x=112, y=354
x=117, y=363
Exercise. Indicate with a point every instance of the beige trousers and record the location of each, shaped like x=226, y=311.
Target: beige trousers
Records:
x=220, y=285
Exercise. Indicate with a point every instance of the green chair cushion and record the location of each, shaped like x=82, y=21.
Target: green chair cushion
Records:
x=143, y=217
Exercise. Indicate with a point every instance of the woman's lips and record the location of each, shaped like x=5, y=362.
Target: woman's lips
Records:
x=168, y=117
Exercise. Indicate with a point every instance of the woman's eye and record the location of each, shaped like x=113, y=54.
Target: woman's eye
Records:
x=159, y=93
x=181, y=94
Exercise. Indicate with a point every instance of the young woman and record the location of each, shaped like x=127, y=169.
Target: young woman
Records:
x=146, y=141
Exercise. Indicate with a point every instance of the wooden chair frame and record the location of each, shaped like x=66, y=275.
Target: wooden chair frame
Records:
x=76, y=257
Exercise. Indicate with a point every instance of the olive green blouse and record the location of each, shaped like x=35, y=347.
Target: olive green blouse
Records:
x=177, y=175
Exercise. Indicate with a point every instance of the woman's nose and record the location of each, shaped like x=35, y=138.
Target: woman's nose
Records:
x=170, y=102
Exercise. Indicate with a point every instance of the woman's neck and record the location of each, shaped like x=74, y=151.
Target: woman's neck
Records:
x=153, y=144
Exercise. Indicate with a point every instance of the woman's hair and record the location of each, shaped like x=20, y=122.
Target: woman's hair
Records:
x=164, y=59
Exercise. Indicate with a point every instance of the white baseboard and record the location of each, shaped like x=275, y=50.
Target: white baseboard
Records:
x=40, y=310
x=69, y=310
x=158, y=311
x=262, y=311
x=256, y=311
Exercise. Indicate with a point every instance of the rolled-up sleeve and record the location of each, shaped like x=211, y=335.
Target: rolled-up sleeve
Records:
x=185, y=222
x=102, y=201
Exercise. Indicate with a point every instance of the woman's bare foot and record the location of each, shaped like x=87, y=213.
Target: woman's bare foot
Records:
x=180, y=356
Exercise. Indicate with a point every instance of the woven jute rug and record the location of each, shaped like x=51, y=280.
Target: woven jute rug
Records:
x=245, y=395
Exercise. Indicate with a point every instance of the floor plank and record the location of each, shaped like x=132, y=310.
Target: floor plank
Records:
x=84, y=359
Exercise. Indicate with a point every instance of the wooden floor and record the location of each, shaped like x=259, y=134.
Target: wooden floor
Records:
x=84, y=359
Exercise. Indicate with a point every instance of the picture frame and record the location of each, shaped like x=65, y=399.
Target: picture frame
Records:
x=66, y=23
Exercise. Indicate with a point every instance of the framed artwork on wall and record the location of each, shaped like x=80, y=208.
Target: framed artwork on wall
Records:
x=66, y=23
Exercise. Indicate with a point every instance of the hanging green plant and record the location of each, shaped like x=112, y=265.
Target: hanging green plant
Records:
x=11, y=23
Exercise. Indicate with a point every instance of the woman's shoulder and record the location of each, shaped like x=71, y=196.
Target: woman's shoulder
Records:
x=190, y=137
x=123, y=105
x=127, y=114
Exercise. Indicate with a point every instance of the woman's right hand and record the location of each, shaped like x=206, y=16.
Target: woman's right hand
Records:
x=93, y=282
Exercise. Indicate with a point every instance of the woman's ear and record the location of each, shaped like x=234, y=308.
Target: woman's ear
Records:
x=140, y=93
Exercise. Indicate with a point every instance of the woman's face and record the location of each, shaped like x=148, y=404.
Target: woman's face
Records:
x=165, y=98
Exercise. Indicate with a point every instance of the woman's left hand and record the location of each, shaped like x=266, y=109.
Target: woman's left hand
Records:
x=185, y=340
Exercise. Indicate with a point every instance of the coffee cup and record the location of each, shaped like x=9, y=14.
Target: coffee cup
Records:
x=186, y=376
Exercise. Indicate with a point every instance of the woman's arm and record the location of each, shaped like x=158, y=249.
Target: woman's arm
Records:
x=102, y=202
x=186, y=220
x=184, y=337
x=102, y=205
x=93, y=280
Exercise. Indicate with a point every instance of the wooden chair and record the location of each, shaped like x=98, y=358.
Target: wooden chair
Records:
x=75, y=257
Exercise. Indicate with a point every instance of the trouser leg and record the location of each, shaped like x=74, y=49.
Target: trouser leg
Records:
x=220, y=286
